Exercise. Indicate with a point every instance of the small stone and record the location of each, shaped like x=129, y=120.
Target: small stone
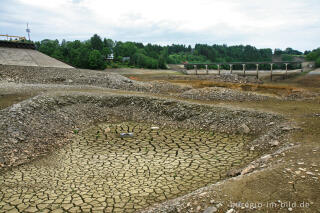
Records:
x=230, y=211
x=198, y=208
x=210, y=209
x=203, y=194
x=126, y=135
x=287, y=128
x=245, y=128
x=265, y=158
x=234, y=172
x=309, y=173
x=154, y=127
x=212, y=201
x=302, y=169
x=274, y=143
x=290, y=209
x=219, y=205
x=248, y=169
x=106, y=130
x=298, y=172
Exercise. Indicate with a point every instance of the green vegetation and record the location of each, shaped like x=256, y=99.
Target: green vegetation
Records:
x=98, y=53
x=314, y=56
x=286, y=57
x=287, y=51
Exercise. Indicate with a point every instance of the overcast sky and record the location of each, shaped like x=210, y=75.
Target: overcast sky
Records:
x=262, y=23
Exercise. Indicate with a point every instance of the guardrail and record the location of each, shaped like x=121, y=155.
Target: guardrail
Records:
x=12, y=44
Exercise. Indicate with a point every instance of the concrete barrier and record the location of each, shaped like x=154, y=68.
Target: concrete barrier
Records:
x=28, y=57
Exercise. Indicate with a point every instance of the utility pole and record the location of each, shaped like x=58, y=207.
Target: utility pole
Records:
x=28, y=31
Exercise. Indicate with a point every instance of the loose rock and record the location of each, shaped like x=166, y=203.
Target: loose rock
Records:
x=210, y=209
x=248, y=169
x=245, y=128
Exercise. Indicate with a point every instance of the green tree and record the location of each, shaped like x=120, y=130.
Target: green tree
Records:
x=57, y=54
x=108, y=43
x=127, y=49
x=96, y=42
x=96, y=60
x=318, y=62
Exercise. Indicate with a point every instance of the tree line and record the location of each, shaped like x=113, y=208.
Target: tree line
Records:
x=314, y=56
x=94, y=53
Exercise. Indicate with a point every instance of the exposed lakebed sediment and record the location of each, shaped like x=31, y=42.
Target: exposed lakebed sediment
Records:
x=34, y=125
x=101, y=171
x=195, y=145
x=61, y=149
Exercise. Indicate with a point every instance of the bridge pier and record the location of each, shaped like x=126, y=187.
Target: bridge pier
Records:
x=218, y=69
x=195, y=68
x=271, y=71
x=230, y=68
x=244, y=69
x=257, y=65
x=207, y=69
x=286, y=70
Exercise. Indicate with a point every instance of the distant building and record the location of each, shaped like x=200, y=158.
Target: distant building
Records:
x=124, y=59
x=110, y=57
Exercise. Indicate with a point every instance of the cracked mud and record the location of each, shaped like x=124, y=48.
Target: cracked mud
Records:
x=100, y=171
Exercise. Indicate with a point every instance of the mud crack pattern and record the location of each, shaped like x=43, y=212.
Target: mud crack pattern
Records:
x=102, y=172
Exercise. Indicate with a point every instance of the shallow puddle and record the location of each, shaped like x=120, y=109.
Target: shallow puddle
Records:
x=8, y=100
x=100, y=171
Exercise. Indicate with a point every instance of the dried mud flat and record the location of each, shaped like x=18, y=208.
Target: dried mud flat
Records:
x=100, y=171
x=61, y=150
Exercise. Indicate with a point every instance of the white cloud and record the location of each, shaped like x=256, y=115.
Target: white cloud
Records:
x=264, y=23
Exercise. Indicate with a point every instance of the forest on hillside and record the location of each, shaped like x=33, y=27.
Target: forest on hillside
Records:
x=314, y=56
x=94, y=53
